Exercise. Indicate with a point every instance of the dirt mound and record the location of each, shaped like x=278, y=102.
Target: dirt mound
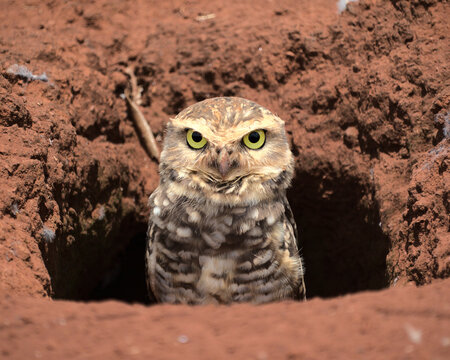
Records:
x=369, y=326
x=365, y=96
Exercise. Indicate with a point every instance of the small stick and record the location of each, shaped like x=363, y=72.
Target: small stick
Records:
x=142, y=126
x=205, y=17
x=136, y=90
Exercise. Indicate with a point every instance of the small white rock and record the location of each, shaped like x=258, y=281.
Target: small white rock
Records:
x=183, y=339
x=415, y=335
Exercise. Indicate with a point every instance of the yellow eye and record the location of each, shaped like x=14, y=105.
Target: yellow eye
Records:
x=255, y=140
x=195, y=140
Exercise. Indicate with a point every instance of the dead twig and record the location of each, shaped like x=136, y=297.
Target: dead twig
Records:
x=201, y=18
x=133, y=96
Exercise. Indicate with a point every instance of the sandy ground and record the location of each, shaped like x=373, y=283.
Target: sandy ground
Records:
x=365, y=96
x=406, y=323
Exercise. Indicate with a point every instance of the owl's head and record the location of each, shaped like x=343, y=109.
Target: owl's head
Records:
x=229, y=149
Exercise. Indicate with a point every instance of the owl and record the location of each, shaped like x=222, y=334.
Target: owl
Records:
x=221, y=229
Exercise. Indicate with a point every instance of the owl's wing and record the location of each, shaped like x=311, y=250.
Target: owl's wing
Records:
x=291, y=243
x=150, y=260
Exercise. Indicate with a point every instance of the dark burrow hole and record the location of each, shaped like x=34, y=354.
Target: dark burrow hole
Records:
x=340, y=239
x=126, y=280
x=340, y=234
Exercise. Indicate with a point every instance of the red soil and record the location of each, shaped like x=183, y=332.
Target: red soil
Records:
x=406, y=323
x=365, y=95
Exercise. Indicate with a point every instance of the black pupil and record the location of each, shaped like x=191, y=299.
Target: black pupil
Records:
x=254, y=137
x=196, y=136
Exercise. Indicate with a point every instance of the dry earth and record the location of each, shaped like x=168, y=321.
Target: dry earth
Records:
x=365, y=94
x=363, y=326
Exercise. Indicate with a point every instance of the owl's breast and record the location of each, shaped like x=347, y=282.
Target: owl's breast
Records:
x=206, y=254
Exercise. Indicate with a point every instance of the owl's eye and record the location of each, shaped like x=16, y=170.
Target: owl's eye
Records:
x=195, y=140
x=255, y=140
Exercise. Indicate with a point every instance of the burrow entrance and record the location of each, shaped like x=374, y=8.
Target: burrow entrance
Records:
x=339, y=236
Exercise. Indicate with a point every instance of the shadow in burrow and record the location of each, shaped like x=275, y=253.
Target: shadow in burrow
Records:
x=339, y=238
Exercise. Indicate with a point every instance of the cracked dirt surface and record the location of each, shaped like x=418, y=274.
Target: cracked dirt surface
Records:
x=365, y=97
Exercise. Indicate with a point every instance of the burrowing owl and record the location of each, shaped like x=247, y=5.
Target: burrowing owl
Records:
x=221, y=229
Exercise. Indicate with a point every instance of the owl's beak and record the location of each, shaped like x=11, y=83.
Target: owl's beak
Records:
x=223, y=162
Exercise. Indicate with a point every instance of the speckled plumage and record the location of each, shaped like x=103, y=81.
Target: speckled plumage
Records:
x=222, y=234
